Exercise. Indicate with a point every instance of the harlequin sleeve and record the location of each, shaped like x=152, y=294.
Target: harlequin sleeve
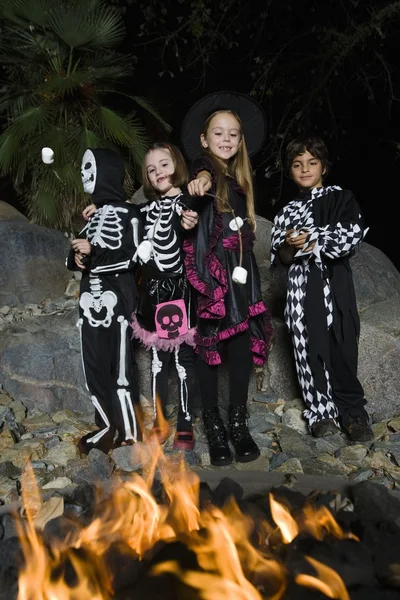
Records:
x=278, y=233
x=122, y=257
x=340, y=238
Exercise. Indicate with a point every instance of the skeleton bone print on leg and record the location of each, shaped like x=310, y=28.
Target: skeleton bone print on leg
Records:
x=122, y=380
x=160, y=231
x=96, y=302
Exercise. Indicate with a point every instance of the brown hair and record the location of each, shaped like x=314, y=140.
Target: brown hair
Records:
x=312, y=144
x=178, y=179
x=238, y=167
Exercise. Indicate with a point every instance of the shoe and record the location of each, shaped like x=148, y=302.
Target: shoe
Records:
x=184, y=440
x=245, y=447
x=220, y=453
x=358, y=429
x=323, y=428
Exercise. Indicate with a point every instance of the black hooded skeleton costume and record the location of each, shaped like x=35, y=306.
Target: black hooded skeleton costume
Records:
x=108, y=297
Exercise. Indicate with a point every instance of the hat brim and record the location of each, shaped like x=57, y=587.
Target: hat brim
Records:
x=249, y=111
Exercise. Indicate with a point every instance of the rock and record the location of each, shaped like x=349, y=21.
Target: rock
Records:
x=319, y=468
x=380, y=430
x=296, y=444
x=8, y=490
x=131, y=458
x=278, y=459
x=43, y=368
x=102, y=463
x=260, y=464
x=39, y=424
x=361, y=475
x=352, y=454
x=293, y=465
x=378, y=460
x=293, y=418
x=394, y=424
x=62, y=453
x=22, y=452
x=263, y=398
x=330, y=443
x=33, y=260
x=6, y=440
x=387, y=483
x=339, y=467
x=72, y=289
x=7, y=469
x=4, y=310
x=58, y=484
x=370, y=499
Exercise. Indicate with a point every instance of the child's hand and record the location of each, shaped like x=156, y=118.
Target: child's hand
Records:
x=78, y=261
x=89, y=211
x=189, y=219
x=199, y=186
x=81, y=246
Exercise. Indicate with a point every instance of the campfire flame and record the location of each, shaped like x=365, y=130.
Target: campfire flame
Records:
x=235, y=553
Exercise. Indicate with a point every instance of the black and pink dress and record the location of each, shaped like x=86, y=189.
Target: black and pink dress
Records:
x=225, y=308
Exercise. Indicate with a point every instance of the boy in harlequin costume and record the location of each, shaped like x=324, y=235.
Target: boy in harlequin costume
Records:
x=219, y=133
x=105, y=252
x=316, y=234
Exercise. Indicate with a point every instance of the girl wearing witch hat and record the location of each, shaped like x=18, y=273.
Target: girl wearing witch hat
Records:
x=219, y=133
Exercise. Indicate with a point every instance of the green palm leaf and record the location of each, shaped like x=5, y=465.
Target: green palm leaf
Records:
x=61, y=70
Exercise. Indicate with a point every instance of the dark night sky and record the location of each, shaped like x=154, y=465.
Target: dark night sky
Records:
x=363, y=159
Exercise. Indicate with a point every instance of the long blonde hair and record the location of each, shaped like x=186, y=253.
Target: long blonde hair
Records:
x=238, y=168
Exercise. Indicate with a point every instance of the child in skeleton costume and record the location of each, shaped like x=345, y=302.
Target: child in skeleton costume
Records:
x=221, y=266
x=316, y=234
x=105, y=252
x=164, y=322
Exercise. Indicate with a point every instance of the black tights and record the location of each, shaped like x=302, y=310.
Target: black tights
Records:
x=240, y=360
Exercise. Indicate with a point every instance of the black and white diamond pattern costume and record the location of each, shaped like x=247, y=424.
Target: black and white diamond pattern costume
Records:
x=108, y=296
x=321, y=311
x=163, y=280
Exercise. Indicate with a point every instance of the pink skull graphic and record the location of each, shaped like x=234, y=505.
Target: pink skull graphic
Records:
x=171, y=319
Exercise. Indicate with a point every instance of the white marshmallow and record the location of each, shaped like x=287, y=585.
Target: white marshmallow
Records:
x=144, y=251
x=236, y=224
x=47, y=156
x=239, y=275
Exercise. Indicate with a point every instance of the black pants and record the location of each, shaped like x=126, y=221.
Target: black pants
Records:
x=112, y=380
x=240, y=361
x=184, y=364
x=347, y=391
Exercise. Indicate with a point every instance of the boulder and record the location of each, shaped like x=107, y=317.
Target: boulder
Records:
x=41, y=363
x=33, y=260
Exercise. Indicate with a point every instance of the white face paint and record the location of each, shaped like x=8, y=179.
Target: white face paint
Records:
x=88, y=172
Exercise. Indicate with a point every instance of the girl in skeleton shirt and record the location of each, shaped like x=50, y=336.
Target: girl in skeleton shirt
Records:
x=164, y=321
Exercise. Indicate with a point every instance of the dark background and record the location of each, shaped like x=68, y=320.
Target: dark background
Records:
x=357, y=111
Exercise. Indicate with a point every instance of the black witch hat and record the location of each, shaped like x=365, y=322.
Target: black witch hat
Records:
x=249, y=111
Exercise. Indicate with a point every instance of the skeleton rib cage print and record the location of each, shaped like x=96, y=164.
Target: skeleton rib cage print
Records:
x=160, y=230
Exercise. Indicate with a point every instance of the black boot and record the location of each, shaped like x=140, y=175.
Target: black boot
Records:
x=245, y=447
x=220, y=453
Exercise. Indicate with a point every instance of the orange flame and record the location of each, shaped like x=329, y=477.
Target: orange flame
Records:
x=327, y=581
x=232, y=548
